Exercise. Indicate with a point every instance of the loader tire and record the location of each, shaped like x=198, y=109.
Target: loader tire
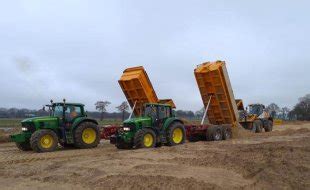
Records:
x=214, y=133
x=175, y=134
x=268, y=127
x=44, y=141
x=227, y=132
x=145, y=138
x=25, y=146
x=259, y=126
x=86, y=135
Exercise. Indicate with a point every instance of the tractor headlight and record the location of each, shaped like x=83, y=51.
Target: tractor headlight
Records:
x=126, y=129
x=24, y=129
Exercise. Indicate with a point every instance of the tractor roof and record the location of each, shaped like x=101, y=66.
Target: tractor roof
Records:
x=70, y=104
x=156, y=104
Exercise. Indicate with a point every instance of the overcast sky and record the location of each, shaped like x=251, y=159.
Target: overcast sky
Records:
x=78, y=49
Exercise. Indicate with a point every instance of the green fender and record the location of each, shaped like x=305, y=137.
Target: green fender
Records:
x=171, y=120
x=80, y=120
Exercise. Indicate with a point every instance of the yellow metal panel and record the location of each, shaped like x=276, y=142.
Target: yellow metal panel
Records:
x=138, y=88
x=212, y=79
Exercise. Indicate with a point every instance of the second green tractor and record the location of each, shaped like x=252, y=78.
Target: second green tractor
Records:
x=158, y=125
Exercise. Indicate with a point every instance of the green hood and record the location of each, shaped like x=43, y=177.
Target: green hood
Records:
x=36, y=119
x=137, y=120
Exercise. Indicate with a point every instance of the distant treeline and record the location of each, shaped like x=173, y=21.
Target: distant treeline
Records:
x=301, y=111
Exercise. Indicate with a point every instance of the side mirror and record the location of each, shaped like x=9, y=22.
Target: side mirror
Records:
x=43, y=108
x=65, y=108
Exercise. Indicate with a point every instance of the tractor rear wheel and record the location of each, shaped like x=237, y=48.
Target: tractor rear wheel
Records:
x=44, y=141
x=175, y=134
x=86, y=135
x=145, y=138
x=25, y=146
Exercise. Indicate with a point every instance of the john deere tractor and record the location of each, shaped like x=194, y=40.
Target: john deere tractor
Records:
x=67, y=125
x=157, y=125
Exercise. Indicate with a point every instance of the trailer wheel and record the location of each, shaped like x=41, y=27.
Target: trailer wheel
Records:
x=227, y=133
x=259, y=126
x=25, y=146
x=175, y=134
x=215, y=133
x=145, y=138
x=268, y=128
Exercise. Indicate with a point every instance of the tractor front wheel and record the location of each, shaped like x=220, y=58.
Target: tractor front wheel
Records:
x=86, y=135
x=25, y=146
x=44, y=141
x=175, y=134
x=145, y=138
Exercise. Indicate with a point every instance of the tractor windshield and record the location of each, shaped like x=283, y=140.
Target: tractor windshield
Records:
x=57, y=111
x=150, y=111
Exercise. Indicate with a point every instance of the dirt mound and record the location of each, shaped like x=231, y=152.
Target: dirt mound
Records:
x=275, y=160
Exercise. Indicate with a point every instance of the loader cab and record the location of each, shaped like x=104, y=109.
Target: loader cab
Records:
x=256, y=109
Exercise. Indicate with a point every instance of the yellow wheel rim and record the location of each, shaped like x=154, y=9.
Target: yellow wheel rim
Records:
x=89, y=136
x=47, y=141
x=177, y=135
x=148, y=140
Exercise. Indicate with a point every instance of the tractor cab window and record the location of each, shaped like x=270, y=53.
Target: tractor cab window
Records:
x=73, y=112
x=58, y=111
x=163, y=112
x=150, y=111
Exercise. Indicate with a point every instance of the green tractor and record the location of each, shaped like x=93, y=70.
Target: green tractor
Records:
x=157, y=126
x=67, y=125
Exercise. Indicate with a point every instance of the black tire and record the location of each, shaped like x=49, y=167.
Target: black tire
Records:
x=123, y=146
x=259, y=126
x=269, y=126
x=214, y=133
x=36, y=137
x=25, y=146
x=139, y=138
x=78, y=132
x=227, y=132
x=170, y=130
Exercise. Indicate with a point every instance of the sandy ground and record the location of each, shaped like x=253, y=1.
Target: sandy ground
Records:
x=276, y=160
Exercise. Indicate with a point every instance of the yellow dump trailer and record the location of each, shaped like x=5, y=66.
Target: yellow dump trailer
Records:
x=213, y=81
x=137, y=88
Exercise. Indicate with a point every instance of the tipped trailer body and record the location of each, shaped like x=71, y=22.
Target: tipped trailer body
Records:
x=218, y=99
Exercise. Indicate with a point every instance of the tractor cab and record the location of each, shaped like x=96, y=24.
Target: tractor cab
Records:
x=158, y=113
x=67, y=112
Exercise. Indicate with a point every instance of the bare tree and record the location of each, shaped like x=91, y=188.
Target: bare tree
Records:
x=273, y=109
x=101, y=106
x=123, y=108
x=285, y=111
x=302, y=108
